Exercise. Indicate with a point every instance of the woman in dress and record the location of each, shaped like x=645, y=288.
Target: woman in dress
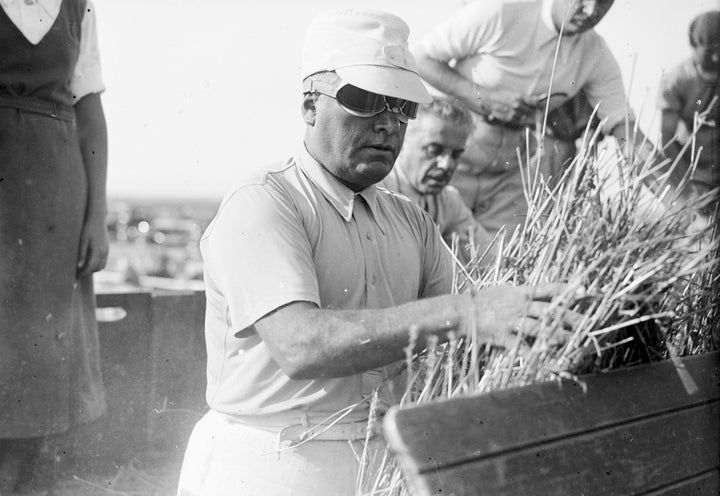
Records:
x=53, y=167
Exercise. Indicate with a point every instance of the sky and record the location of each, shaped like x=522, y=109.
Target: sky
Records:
x=196, y=91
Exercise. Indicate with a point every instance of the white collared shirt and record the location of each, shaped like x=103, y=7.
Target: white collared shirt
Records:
x=34, y=20
x=508, y=48
x=293, y=232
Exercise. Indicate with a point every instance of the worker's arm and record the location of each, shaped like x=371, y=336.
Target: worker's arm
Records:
x=309, y=342
x=502, y=107
x=635, y=144
x=670, y=120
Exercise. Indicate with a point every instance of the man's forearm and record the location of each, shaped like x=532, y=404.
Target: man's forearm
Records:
x=446, y=79
x=642, y=151
x=325, y=343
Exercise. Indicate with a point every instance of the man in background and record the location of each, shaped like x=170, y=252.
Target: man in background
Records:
x=434, y=143
x=689, y=102
x=509, y=62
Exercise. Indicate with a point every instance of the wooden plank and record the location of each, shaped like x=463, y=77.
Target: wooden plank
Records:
x=502, y=420
x=522, y=438
x=628, y=459
x=705, y=483
x=177, y=399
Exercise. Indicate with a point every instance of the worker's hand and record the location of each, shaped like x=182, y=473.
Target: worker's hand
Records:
x=94, y=246
x=505, y=311
x=515, y=112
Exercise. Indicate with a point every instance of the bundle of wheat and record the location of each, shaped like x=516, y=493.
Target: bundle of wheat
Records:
x=643, y=278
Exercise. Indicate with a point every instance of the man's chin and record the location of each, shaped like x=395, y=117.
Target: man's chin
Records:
x=433, y=189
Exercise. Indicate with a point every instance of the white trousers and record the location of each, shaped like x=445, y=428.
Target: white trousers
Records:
x=226, y=458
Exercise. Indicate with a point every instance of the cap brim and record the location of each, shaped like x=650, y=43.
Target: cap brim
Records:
x=388, y=81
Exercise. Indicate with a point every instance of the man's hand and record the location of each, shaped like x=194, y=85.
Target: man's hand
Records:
x=504, y=312
x=516, y=112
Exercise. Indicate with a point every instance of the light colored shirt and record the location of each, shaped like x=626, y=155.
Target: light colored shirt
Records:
x=294, y=233
x=449, y=212
x=685, y=91
x=35, y=20
x=508, y=47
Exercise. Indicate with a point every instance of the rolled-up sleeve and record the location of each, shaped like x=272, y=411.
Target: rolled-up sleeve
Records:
x=87, y=78
x=465, y=32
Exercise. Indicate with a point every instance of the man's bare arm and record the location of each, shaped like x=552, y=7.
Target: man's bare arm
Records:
x=309, y=342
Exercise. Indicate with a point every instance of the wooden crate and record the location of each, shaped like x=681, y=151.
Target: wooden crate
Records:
x=628, y=432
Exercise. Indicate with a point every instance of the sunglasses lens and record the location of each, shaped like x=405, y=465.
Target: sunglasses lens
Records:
x=406, y=108
x=360, y=101
x=366, y=104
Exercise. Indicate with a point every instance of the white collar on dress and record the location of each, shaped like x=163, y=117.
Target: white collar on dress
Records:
x=34, y=20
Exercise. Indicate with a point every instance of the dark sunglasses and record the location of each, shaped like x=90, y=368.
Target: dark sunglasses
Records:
x=361, y=103
x=366, y=104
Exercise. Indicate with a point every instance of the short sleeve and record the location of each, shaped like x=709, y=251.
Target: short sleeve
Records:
x=465, y=33
x=87, y=78
x=605, y=86
x=670, y=94
x=258, y=262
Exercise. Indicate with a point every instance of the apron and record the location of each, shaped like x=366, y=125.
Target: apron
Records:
x=49, y=354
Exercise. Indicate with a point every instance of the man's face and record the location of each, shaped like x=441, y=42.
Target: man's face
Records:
x=358, y=151
x=431, y=153
x=579, y=15
x=707, y=57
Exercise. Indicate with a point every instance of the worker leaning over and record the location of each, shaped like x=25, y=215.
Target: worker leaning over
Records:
x=509, y=61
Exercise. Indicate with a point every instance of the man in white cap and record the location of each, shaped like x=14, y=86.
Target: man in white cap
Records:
x=431, y=151
x=315, y=279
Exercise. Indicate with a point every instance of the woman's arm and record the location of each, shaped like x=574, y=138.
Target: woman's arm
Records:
x=92, y=133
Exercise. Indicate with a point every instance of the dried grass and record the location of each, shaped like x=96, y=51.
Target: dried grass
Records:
x=638, y=268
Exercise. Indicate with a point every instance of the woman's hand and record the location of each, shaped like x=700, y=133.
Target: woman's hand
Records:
x=94, y=246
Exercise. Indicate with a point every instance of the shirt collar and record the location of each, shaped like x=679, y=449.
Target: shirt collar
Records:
x=340, y=196
x=547, y=19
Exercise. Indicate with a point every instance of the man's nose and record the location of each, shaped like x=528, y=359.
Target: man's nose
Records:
x=445, y=162
x=589, y=8
x=388, y=121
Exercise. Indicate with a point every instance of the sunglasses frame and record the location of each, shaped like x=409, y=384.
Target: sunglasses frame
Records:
x=334, y=91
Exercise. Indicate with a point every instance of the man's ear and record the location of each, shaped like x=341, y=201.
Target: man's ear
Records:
x=308, y=108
